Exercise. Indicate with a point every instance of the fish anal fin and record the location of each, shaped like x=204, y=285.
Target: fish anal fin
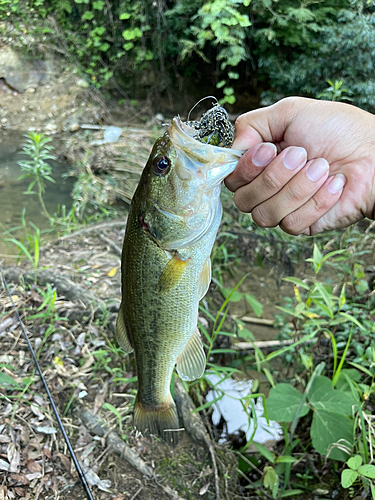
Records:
x=204, y=279
x=172, y=273
x=160, y=420
x=121, y=333
x=192, y=362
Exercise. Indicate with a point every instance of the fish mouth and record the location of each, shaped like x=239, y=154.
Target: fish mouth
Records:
x=197, y=159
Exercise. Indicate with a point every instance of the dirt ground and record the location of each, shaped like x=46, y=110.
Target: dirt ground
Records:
x=83, y=367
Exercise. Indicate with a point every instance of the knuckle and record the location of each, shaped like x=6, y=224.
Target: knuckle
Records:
x=320, y=204
x=292, y=223
x=295, y=192
x=261, y=219
x=241, y=121
x=269, y=181
x=241, y=200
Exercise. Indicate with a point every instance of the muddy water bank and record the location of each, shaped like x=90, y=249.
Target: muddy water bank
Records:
x=12, y=198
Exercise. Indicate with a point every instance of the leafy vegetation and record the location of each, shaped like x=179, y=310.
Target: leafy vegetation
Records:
x=268, y=47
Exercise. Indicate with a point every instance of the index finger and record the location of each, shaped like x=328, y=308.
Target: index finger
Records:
x=251, y=164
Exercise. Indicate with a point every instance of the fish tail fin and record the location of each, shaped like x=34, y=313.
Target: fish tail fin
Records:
x=160, y=420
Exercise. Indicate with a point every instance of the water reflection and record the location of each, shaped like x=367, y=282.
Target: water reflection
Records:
x=236, y=417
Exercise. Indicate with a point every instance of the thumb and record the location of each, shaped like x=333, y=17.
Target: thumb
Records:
x=265, y=124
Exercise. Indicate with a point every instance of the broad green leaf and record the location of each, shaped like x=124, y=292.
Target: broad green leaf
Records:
x=233, y=297
x=348, y=477
x=331, y=433
x=367, y=470
x=323, y=397
x=283, y=401
x=255, y=304
x=355, y=462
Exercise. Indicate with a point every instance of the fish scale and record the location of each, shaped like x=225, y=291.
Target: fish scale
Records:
x=166, y=268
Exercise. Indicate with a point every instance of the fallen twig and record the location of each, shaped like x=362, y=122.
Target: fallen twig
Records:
x=255, y=321
x=111, y=243
x=95, y=227
x=112, y=440
x=194, y=426
x=96, y=426
x=264, y=344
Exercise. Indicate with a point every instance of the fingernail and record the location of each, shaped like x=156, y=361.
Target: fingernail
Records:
x=294, y=158
x=264, y=154
x=317, y=169
x=336, y=183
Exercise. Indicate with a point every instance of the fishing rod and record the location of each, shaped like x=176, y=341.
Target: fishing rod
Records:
x=61, y=425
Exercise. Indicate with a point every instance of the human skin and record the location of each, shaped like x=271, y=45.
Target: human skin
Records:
x=309, y=165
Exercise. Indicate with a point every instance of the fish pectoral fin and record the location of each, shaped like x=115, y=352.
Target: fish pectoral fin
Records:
x=192, y=362
x=172, y=273
x=204, y=279
x=121, y=333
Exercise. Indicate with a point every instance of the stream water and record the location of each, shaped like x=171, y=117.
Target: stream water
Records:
x=12, y=197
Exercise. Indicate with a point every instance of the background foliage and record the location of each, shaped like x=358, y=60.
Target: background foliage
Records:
x=271, y=47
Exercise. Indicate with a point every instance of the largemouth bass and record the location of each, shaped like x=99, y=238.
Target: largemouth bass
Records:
x=166, y=270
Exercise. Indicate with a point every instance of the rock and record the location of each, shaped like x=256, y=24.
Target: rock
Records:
x=50, y=128
x=83, y=83
x=74, y=127
x=20, y=73
x=31, y=90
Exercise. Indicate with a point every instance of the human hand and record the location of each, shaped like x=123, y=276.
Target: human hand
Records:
x=310, y=165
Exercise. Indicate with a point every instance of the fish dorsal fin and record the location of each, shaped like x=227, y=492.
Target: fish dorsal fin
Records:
x=192, y=362
x=121, y=333
x=204, y=279
x=172, y=273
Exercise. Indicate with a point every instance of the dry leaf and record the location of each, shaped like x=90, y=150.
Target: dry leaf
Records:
x=112, y=272
x=13, y=454
x=3, y=493
x=33, y=466
x=20, y=478
x=204, y=489
x=4, y=465
x=65, y=461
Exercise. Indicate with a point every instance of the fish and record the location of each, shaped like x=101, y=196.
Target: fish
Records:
x=166, y=269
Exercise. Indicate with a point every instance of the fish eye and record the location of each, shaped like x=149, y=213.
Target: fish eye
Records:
x=161, y=165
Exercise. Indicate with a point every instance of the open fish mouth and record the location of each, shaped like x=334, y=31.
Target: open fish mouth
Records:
x=205, y=162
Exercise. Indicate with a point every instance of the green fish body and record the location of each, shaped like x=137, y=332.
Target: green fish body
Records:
x=166, y=270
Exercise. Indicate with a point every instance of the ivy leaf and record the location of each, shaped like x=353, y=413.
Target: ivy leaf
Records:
x=98, y=5
x=128, y=46
x=104, y=47
x=131, y=34
x=125, y=15
x=88, y=15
